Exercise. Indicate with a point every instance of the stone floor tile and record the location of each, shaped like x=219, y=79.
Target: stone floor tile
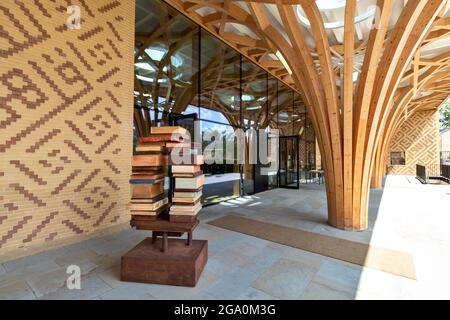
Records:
x=286, y=279
x=107, y=261
x=334, y=271
x=128, y=291
x=251, y=247
x=91, y=287
x=75, y=257
x=320, y=291
x=221, y=264
x=162, y=292
x=237, y=280
x=48, y=282
x=28, y=272
x=16, y=291
x=219, y=245
x=54, y=280
x=264, y=259
x=76, y=247
x=110, y=275
x=33, y=259
x=254, y=294
x=112, y=247
x=305, y=257
x=203, y=296
x=204, y=232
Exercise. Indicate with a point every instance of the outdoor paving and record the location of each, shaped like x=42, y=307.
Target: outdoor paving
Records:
x=409, y=217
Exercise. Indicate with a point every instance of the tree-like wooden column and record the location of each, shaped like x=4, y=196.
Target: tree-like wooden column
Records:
x=353, y=127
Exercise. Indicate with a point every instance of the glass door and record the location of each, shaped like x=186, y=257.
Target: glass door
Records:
x=288, y=173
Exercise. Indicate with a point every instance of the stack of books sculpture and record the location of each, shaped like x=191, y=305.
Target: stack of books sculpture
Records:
x=158, y=259
x=187, y=196
x=148, y=198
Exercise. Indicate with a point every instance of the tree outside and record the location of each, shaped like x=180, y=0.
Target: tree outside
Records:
x=445, y=115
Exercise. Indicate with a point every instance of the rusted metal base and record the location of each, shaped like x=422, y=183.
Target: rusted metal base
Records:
x=180, y=265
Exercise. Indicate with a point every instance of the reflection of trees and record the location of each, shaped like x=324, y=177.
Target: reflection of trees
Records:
x=445, y=115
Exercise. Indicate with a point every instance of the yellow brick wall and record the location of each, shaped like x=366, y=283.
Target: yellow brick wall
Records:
x=318, y=157
x=66, y=102
x=419, y=138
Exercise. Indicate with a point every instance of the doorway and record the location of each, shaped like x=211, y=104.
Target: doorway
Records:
x=288, y=173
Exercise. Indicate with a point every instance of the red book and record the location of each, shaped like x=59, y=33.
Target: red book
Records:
x=150, y=160
x=167, y=137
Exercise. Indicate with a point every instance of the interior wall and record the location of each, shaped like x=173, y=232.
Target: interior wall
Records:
x=66, y=103
x=419, y=138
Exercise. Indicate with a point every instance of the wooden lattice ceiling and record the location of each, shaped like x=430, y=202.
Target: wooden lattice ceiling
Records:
x=159, y=27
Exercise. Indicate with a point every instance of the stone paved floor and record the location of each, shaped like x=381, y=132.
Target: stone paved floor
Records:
x=410, y=217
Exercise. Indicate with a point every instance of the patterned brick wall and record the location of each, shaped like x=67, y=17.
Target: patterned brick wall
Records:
x=418, y=137
x=66, y=101
x=318, y=157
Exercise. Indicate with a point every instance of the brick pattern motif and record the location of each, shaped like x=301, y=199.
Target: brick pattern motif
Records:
x=66, y=101
x=418, y=137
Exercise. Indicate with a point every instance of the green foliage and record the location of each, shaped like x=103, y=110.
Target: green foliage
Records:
x=445, y=115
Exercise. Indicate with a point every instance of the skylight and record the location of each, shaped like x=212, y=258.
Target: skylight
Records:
x=335, y=4
x=176, y=61
x=156, y=54
x=330, y=4
x=247, y=98
x=150, y=79
x=144, y=66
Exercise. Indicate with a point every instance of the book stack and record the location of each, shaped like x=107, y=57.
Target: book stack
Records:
x=163, y=139
x=148, y=199
x=187, y=196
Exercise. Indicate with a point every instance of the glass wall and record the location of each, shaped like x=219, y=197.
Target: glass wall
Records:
x=254, y=104
x=307, y=143
x=182, y=70
x=272, y=123
x=220, y=107
x=166, y=64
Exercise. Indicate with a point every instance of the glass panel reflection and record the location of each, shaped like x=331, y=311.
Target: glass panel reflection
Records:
x=181, y=69
x=221, y=168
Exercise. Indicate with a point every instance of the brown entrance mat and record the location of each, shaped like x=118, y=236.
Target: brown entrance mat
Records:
x=395, y=262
